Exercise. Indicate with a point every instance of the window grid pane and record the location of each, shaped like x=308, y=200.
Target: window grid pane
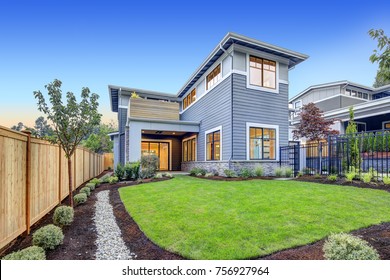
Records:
x=262, y=143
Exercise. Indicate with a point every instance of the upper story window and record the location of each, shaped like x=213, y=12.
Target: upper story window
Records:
x=191, y=97
x=262, y=72
x=214, y=77
x=357, y=94
x=298, y=105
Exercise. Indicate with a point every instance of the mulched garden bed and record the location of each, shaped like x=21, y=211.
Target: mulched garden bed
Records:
x=80, y=237
x=343, y=182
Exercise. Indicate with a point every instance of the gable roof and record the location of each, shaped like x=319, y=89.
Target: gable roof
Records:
x=344, y=82
x=234, y=38
x=230, y=38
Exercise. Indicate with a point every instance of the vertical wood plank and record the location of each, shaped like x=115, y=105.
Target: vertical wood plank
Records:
x=28, y=181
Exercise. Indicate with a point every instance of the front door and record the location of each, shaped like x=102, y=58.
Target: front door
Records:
x=160, y=149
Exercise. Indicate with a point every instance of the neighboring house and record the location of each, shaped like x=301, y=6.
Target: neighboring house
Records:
x=232, y=112
x=371, y=105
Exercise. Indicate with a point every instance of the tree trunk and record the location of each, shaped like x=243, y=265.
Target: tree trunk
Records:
x=70, y=182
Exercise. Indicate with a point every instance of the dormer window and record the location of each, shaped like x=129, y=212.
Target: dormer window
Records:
x=214, y=77
x=262, y=72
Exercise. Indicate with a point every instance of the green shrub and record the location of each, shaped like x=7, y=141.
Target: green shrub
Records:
x=207, y=175
x=63, y=216
x=132, y=170
x=230, y=173
x=349, y=176
x=167, y=175
x=85, y=190
x=300, y=174
x=344, y=246
x=386, y=180
x=332, y=177
x=146, y=173
x=246, y=173
x=367, y=177
x=374, y=174
x=278, y=172
x=259, y=171
x=149, y=165
x=91, y=186
x=29, y=253
x=197, y=170
x=199, y=174
x=96, y=181
x=306, y=171
x=317, y=176
x=80, y=198
x=120, y=171
x=104, y=179
x=158, y=176
x=48, y=237
x=288, y=172
x=113, y=180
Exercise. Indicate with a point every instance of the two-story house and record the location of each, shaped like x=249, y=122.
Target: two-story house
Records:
x=232, y=112
x=371, y=105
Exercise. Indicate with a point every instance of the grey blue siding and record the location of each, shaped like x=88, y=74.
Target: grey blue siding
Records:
x=258, y=107
x=212, y=110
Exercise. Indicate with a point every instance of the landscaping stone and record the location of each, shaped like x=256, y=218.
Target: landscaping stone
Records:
x=109, y=242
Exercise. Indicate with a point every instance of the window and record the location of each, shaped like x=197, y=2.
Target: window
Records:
x=213, y=145
x=189, y=149
x=191, y=97
x=262, y=143
x=386, y=125
x=298, y=105
x=213, y=78
x=262, y=72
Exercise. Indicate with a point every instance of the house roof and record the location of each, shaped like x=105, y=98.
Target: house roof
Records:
x=234, y=38
x=344, y=82
x=230, y=38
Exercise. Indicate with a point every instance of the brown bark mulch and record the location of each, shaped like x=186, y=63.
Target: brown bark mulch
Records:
x=80, y=236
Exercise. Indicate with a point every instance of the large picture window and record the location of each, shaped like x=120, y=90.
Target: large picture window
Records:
x=262, y=72
x=214, y=77
x=189, y=149
x=262, y=143
x=213, y=145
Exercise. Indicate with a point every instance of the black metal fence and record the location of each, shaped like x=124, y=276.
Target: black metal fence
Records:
x=361, y=153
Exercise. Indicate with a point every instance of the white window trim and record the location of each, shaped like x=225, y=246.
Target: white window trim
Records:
x=384, y=123
x=165, y=141
x=196, y=147
x=260, y=125
x=365, y=125
x=219, y=75
x=220, y=141
x=248, y=85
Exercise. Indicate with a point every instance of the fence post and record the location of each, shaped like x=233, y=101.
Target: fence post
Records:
x=320, y=158
x=329, y=156
x=74, y=170
x=28, y=181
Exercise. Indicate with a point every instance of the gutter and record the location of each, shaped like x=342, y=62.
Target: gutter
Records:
x=231, y=102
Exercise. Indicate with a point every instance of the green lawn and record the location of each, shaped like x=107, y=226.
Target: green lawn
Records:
x=203, y=219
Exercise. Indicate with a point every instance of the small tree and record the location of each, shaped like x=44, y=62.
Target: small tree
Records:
x=383, y=74
x=313, y=125
x=353, y=143
x=72, y=122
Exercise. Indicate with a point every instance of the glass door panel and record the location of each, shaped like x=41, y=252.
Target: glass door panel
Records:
x=164, y=156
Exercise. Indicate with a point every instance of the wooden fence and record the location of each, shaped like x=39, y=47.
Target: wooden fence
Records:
x=34, y=179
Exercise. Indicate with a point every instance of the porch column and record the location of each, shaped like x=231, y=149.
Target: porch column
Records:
x=135, y=138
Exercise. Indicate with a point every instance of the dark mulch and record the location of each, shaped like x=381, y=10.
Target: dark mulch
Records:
x=79, y=241
x=343, y=182
x=378, y=236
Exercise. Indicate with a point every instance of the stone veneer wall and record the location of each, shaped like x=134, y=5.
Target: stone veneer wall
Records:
x=220, y=166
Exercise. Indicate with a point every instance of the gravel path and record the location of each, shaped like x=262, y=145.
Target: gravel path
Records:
x=109, y=242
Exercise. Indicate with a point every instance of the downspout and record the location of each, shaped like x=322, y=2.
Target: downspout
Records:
x=231, y=102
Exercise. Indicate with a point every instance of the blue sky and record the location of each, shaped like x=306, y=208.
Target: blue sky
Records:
x=157, y=45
